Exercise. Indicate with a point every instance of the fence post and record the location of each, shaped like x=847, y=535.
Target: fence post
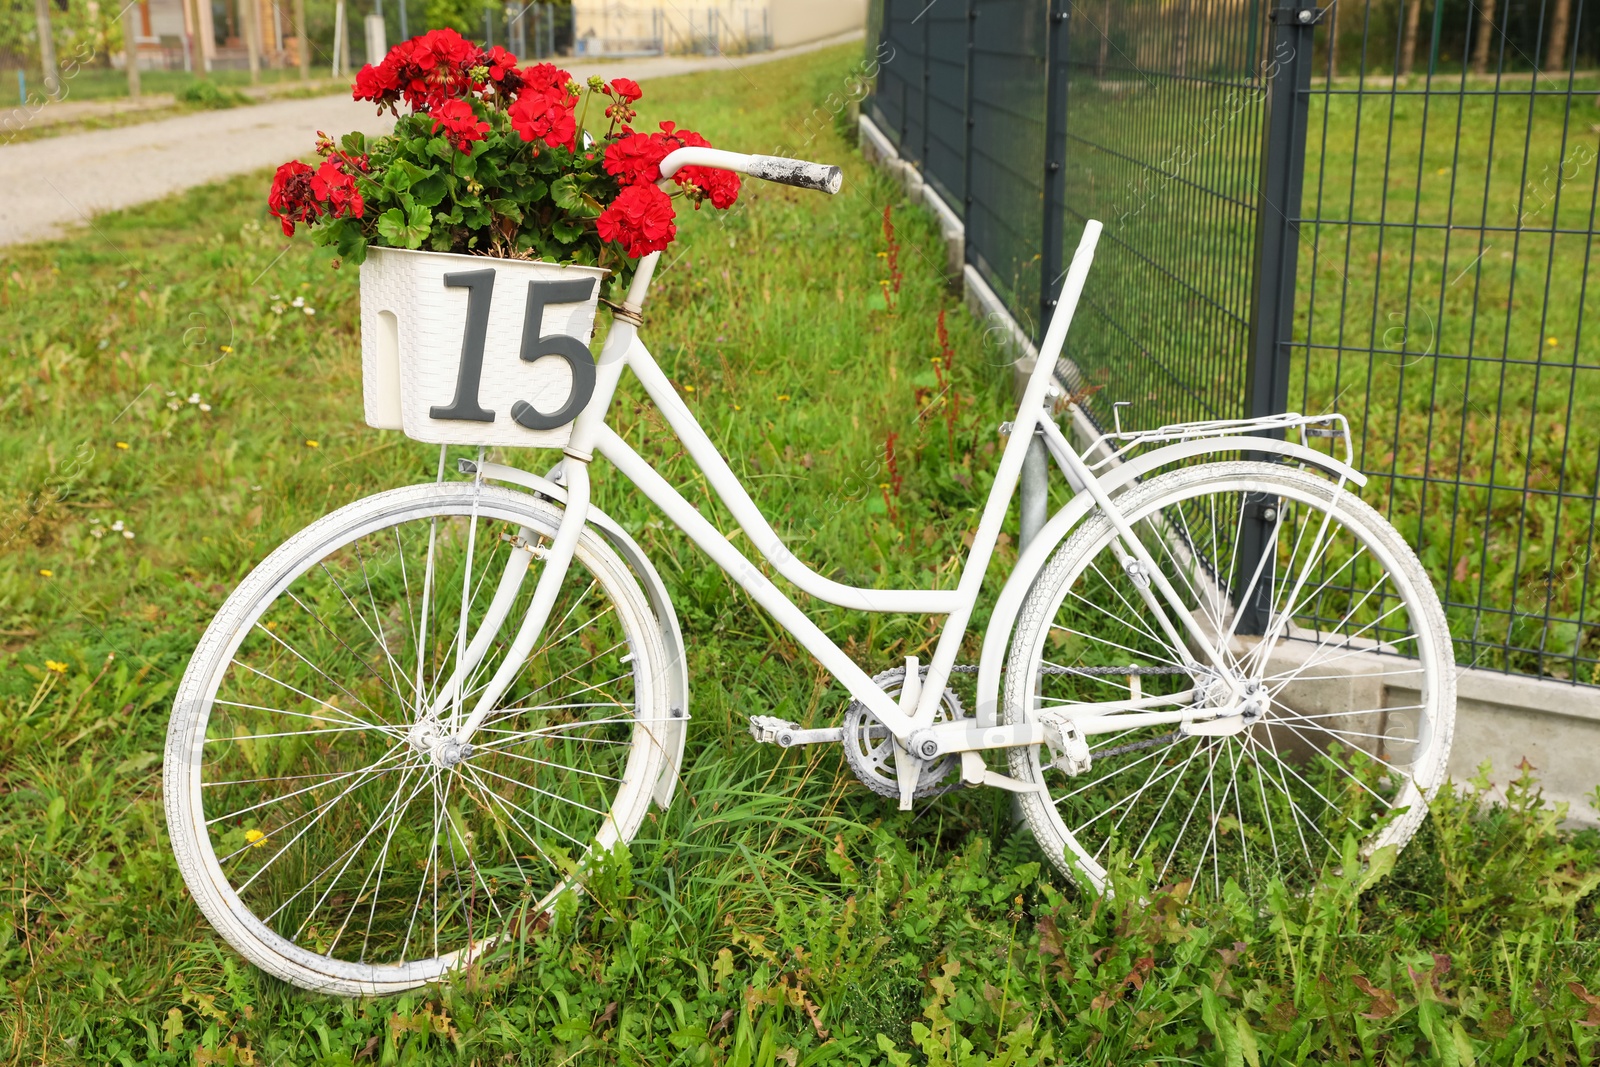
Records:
x=1035, y=486
x=966, y=134
x=1055, y=157
x=1283, y=163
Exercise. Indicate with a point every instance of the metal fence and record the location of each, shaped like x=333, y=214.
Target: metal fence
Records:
x=1380, y=207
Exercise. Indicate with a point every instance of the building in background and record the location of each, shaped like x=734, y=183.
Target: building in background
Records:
x=163, y=28
x=638, y=27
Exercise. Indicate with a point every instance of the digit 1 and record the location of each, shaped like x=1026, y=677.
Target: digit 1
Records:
x=465, y=407
x=563, y=346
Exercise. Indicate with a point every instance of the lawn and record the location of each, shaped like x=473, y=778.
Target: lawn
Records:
x=182, y=393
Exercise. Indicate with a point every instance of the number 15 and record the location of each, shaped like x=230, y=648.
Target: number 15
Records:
x=480, y=288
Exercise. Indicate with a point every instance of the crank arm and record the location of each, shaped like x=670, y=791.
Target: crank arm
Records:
x=770, y=730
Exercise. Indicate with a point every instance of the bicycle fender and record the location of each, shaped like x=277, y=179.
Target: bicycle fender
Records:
x=997, y=639
x=671, y=633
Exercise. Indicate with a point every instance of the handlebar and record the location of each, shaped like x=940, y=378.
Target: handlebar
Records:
x=796, y=172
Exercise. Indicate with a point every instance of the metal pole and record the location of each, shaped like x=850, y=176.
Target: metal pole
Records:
x=197, y=43
x=405, y=31
x=251, y=13
x=341, y=40
x=1055, y=153
x=1035, y=497
x=966, y=133
x=130, y=48
x=1283, y=160
x=47, y=48
x=302, y=45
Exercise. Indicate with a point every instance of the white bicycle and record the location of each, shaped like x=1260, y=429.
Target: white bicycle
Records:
x=415, y=724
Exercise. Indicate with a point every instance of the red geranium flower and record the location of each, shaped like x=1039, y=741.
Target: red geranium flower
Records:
x=547, y=76
x=291, y=199
x=332, y=186
x=500, y=62
x=460, y=123
x=641, y=218
x=380, y=84
x=637, y=157
x=545, y=114
x=626, y=88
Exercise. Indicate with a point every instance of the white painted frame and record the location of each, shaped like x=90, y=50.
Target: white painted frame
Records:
x=919, y=702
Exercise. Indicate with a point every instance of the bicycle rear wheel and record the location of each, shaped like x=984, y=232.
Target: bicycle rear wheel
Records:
x=1355, y=667
x=333, y=840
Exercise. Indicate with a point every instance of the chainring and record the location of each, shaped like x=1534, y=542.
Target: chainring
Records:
x=869, y=746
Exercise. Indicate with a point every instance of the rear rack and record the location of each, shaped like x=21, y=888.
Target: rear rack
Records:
x=1119, y=442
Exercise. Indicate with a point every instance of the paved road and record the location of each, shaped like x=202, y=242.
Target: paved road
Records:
x=53, y=183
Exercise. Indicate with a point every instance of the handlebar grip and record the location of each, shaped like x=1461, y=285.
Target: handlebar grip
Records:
x=796, y=172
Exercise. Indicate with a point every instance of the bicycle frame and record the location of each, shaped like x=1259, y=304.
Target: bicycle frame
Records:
x=919, y=703
x=590, y=436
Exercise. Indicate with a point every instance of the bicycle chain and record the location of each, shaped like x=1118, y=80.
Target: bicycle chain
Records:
x=1090, y=672
x=1093, y=672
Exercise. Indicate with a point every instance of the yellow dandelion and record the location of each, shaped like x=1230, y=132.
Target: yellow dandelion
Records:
x=737, y=407
x=255, y=837
x=124, y=445
x=55, y=665
x=312, y=444
x=783, y=396
x=688, y=388
x=1551, y=341
x=46, y=572
x=225, y=348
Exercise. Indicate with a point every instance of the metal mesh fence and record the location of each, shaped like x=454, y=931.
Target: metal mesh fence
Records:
x=944, y=156
x=1163, y=144
x=1005, y=159
x=1384, y=208
x=1447, y=236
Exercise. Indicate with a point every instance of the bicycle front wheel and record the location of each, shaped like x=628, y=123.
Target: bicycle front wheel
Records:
x=324, y=820
x=1351, y=671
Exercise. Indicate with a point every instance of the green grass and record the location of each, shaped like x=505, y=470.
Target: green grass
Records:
x=104, y=83
x=776, y=913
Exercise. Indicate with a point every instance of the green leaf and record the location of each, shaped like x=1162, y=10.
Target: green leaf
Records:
x=565, y=192
x=1247, y=1040
x=405, y=231
x=354, y=143
x=403, y=174
x=430, y=190
x=567, y=230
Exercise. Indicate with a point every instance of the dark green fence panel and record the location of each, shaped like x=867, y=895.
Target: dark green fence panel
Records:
x=1384, y=208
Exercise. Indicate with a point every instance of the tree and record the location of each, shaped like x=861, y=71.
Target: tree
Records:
x=1480, y=49
x=1408, y=43
x=1555, y=57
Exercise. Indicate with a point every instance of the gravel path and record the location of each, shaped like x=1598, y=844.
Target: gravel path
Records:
x=52, y=184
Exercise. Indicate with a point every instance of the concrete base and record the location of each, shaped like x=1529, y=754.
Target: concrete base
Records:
x=1501, y=719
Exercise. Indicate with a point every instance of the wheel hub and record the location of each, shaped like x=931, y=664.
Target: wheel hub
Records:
x=429, y=738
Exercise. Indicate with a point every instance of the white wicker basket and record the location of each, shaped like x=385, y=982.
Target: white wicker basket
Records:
x=414, y=344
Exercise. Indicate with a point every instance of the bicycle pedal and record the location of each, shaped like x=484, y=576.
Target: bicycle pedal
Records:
x=771, y=730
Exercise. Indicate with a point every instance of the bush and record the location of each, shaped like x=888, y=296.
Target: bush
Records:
x=208, y=94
